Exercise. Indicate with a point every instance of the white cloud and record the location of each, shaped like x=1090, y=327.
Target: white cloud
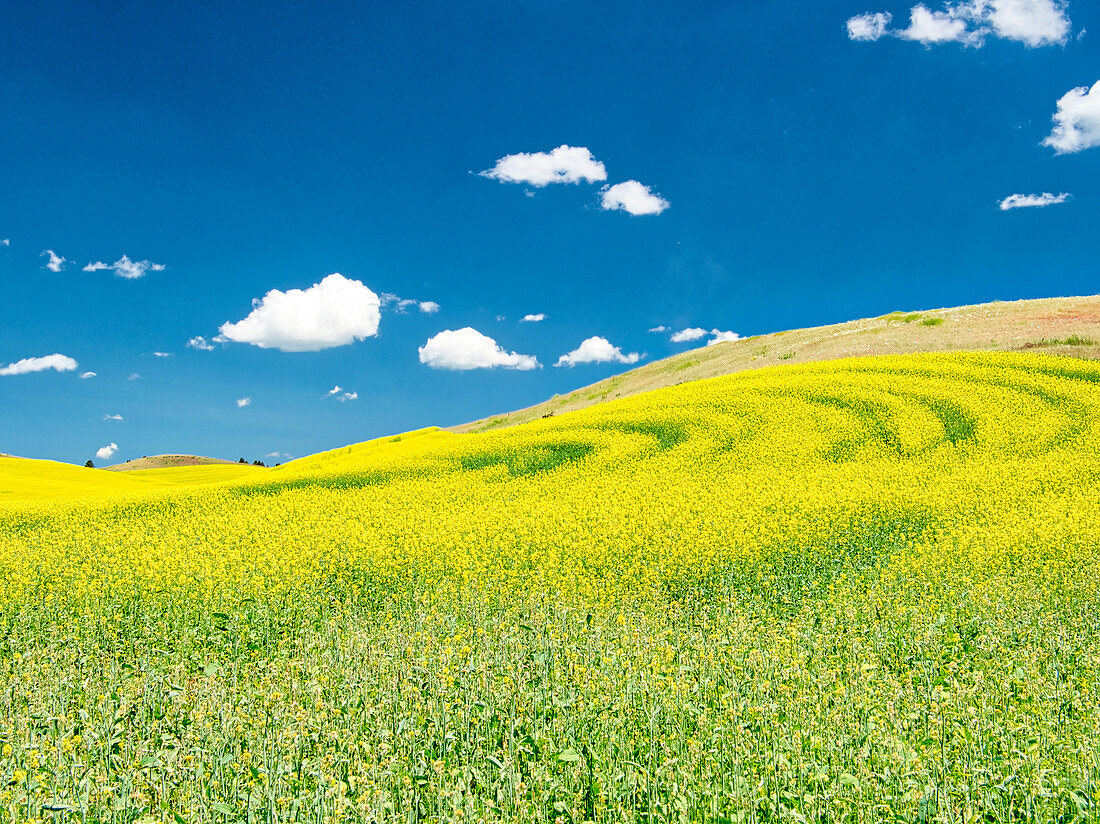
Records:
x=1077, y=121
x=632, y=197
x=126, y=268
x=134, y=376
x=538, y=318
x=162, y=354
x=277, y=454
x=722, y=337
x=597, y=350
x=661, y=328
x=335, y=312
x=341, y=395
x=85, y=375
x=200, y=343
x=467, y=348
x=402, y=305
x=59, y=363
x=692, y=333
x=565, y=164
x=5, y=242
x=105, y=452
x=1021, y=201
x=869, y=26
x=112, y=417
x=933, y=27
x=1031, y=22
x=243, y=402
x=55, y=263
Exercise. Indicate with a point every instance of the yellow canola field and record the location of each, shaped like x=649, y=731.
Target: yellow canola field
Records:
x=863, y=590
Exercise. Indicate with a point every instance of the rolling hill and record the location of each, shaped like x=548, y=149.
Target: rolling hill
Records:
x=1060, y=326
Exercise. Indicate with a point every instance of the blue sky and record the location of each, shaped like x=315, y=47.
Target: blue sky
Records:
x=801, y=163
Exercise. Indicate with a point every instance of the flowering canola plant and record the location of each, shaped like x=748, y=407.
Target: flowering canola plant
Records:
x=863, y=590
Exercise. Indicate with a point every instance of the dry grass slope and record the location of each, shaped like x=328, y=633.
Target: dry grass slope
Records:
x=1059, y=326
x=165, y=461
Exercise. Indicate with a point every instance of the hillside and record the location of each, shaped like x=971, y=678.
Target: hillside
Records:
x=1059, y=326
x=165, y=461
x=861, y=584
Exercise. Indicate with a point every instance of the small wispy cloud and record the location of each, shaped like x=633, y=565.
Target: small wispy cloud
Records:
x=1028, y=201
x=341, y=394
x=134, y=376
x=537, y=318
x=402, y=305
x=162, y=354
x=54, y=262
x=112, y=418
x=970, y=22
x=277, y=454
x=126, y=268
x=57, y=362
x=565, y=164
x=5, y=242
x=659, y=329
x=597, y=350
x=200, y=343
x=85, y=375
x=691, y=333
x=722, y=337
x=104, y=453
x=243, y=402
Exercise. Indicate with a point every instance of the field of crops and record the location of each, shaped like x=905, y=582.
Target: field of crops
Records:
x=865, y=590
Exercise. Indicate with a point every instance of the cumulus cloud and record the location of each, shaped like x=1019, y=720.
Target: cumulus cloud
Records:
x=1031, y=22
x=722, y=337
x=1077, y=121
x=126, y=268
x=658, y=329
x=467, y=348
x=539, y=318
x=597, y=350
x=934, y=27
x=85, y=375
x=59, y=363
x=243, y=402
x=335, y=312
x=1023, y=201
x=341, y=395
x=870, y=26
x=105, y=452
x=54, y=262
x=5, y=242
x=691, y=333
x=565, y=164
x=633, y=198
x=112, y=417
x=200, y=343
x=428, y=307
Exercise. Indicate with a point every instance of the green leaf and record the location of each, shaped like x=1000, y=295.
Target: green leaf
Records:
x=569, y=755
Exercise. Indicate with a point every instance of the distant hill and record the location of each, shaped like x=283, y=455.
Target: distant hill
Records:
x=166, y=461
x=1061, y=326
